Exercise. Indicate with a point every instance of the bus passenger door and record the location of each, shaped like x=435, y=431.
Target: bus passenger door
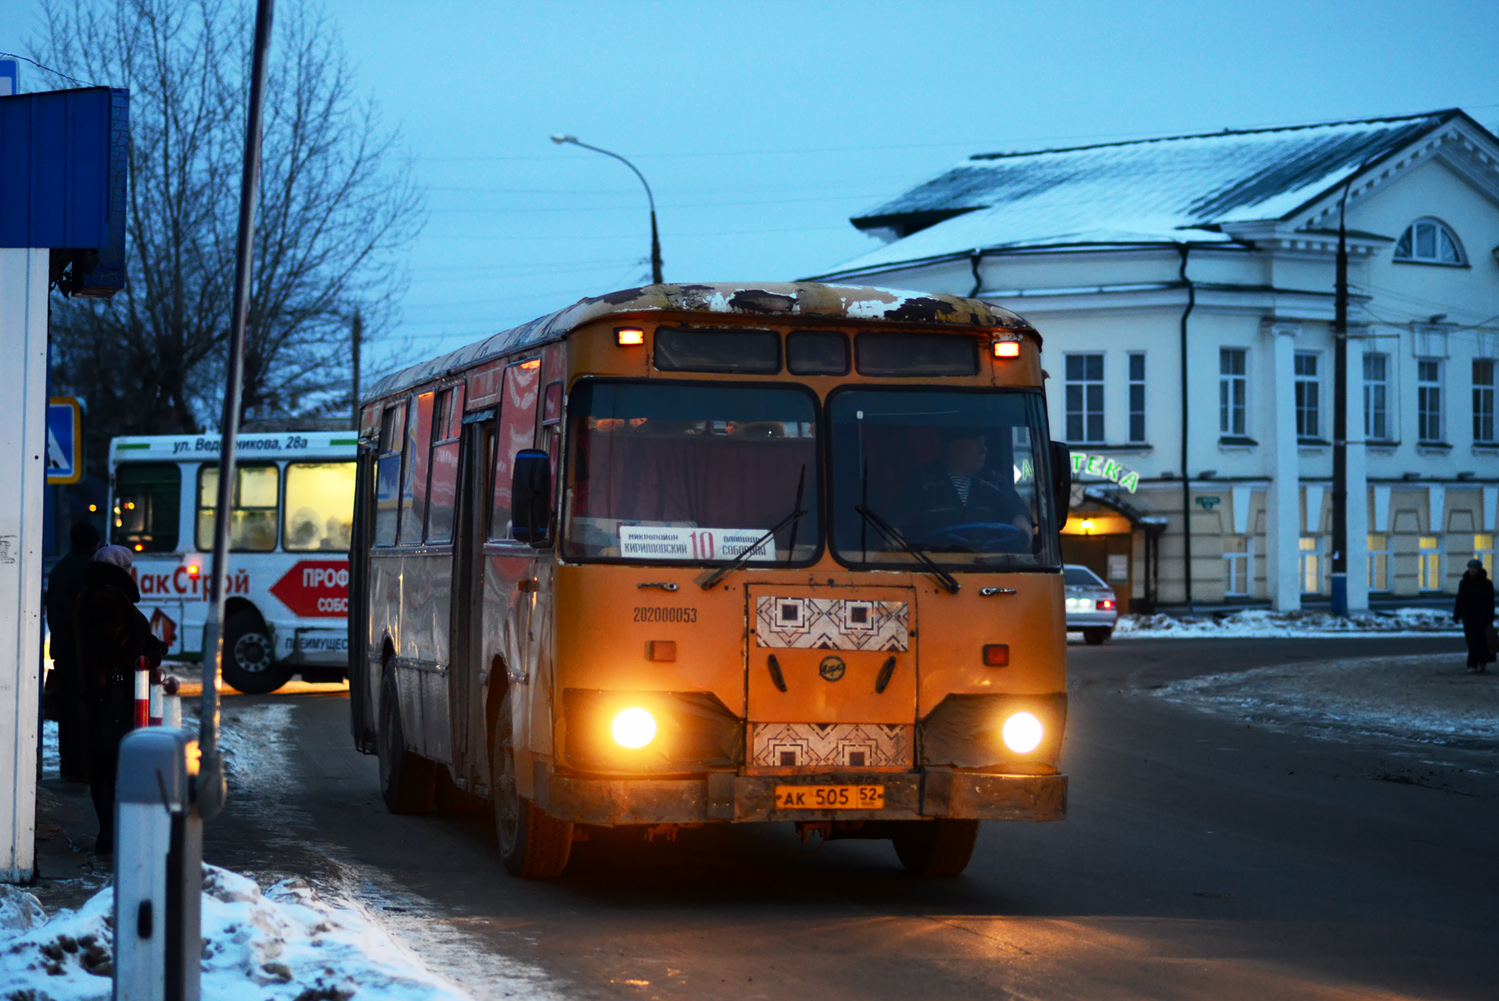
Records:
x=465, y=702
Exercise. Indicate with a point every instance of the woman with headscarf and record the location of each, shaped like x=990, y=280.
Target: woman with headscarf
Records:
x=1475, y=610
x=111, y=635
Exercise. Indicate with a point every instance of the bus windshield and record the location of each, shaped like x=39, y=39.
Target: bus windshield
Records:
x=950, y=474
x=672, y=472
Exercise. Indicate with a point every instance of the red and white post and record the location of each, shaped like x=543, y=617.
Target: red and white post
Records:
x=142, y=693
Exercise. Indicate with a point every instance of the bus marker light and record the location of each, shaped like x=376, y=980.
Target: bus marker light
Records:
x=627, y=336
x=1007, y=349
x=663, y=651
x=996, y=655
x=634, y=728
x=1022, y=733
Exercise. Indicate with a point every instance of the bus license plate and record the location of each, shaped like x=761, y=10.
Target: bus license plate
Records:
x=851, y=797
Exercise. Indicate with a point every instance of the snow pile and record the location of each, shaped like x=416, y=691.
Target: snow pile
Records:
x=1261, y=623
x=283, y=944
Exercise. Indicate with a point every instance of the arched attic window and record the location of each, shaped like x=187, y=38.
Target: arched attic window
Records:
x=1429, y=241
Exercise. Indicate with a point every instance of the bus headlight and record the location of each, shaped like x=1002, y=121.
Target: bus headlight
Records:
x=1022, y=733
x=635, y=728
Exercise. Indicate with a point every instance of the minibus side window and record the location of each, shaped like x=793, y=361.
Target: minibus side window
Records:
x=447, y=428
x=148, y=507
x=319, y=507
x=517, y=430
x=254, y=508
x=418, y=452
x=388, y=474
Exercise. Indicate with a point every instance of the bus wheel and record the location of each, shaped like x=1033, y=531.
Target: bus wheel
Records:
x=1093, y=637
x=249, y=663
x=533, y=845
x=940, y=847
x=406, y=779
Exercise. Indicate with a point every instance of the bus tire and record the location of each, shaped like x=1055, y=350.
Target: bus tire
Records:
x=940, y=847
x=407, y=780
x=532, y=845
x=1094, y=637
x=249, y=664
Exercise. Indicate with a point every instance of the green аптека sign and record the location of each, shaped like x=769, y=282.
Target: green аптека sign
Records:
x=1104, y=468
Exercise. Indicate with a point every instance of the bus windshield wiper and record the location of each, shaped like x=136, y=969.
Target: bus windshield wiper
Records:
x=948, y=581
x=749, y=551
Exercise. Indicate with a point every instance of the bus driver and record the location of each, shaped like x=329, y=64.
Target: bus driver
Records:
x=957, y=492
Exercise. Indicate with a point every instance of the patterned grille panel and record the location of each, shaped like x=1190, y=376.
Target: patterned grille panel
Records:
x=831, y=624
x=831, y=745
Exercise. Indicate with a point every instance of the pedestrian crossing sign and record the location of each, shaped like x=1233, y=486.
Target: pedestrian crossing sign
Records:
x=64, y=440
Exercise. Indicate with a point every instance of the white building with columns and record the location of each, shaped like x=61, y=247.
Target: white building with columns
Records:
x=1184, y=287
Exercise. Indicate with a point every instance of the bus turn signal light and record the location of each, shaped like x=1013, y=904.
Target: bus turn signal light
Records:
x=996, y=655
x=634, y=728
x=1022, y=733
x=1007, y=349
x=627, y=336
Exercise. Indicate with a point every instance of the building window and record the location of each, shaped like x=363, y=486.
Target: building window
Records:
x=1137, y=396
x=1233, y=391
x=1429, y=399
x=1085, y=398
x=1429, y=242
x=1307, y=397
x=1377, y=397
x=1483, y=400
x=1238, y=560
x=1429, y=562
x=1311, y=564
x=1379, y=562
x=1483, y=551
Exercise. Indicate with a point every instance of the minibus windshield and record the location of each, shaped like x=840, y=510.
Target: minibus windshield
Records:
x=954, y=473
x=692, y=473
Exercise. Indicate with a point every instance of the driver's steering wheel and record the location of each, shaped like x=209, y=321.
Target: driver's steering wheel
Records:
x=977, y=537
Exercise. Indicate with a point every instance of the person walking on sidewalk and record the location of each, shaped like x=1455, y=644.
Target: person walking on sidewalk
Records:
x=64, y=683
x=1475, y=610
x=112, y=635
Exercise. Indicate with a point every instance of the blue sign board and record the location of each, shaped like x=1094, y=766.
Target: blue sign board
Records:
x=10, y=77
x=64, y=440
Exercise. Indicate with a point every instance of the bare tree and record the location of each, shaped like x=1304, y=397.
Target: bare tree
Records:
x=336, y=204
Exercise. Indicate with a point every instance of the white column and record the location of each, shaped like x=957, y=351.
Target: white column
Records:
x=1357, y=483
x=1283, y=498
x=23, y=417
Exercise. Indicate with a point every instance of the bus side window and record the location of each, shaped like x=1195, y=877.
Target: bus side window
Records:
x=447, y=428
x=418, y=452
x=254, y=509
x=388, y=474
x=517, y=430
x=148, y=507
x=319, y=507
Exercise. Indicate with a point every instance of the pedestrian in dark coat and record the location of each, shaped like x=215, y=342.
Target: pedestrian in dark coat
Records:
x=1475, y=610
x=64, y=684
x=112, y=635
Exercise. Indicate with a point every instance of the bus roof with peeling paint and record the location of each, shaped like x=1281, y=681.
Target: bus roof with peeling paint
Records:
x=812, y=300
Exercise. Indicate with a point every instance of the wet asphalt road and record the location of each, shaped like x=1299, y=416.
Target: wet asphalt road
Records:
x=1203, y=857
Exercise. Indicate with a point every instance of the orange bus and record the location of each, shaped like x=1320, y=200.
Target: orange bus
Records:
x=693, y=554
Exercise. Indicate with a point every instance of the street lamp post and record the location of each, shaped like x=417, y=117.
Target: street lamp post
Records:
x=655, y=238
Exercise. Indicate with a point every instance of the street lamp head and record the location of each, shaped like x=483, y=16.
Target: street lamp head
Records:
x=559, y=140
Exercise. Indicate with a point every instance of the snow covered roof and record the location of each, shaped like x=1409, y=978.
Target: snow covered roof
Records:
x=1170, y=190
x=829, y=303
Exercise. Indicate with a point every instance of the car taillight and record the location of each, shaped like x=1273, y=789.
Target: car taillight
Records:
x=1105, y=604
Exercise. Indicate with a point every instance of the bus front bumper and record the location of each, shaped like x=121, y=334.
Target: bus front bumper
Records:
x=936, y=792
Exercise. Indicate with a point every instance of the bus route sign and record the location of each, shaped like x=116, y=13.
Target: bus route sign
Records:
x=315, y=589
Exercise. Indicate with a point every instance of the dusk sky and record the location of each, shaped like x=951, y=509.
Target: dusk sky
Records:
x=762, y=127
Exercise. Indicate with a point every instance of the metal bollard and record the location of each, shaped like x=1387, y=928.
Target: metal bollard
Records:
x=153, y=713
x=158, y=869
x=172, y=708
x=142, y=692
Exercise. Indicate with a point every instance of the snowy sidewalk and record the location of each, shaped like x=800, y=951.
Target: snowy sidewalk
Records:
x=1264, y=624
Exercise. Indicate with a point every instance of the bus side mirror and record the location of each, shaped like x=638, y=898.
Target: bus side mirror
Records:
x=1061, y=479
x=531, y=497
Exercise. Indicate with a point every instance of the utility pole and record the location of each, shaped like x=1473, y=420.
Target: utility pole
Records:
x=358, y=336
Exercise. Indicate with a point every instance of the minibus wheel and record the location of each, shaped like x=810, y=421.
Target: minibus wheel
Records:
x=249, y=661
x=532, y=845
x=406, y=779
x=940, y=847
